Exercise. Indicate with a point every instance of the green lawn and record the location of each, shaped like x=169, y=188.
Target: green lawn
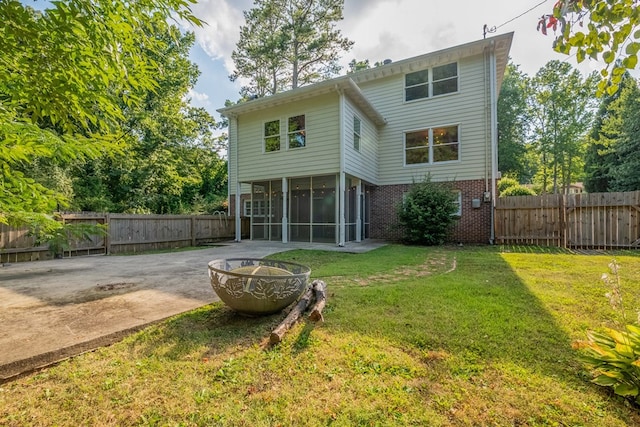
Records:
x=413, y=336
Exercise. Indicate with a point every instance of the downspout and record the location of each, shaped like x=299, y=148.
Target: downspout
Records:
x=487, y=115
x=494, y=135
x=343, y=179
x=233, y=124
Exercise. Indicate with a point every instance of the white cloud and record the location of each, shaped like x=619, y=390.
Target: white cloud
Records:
x=198, y=99
x=219, y=36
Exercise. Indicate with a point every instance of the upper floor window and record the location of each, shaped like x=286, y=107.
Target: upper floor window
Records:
x=416, y=85
x=432, y=145
x=296, y=132
x=431, y=82
x=272, y=136
x=356, y=133
x=445, y=79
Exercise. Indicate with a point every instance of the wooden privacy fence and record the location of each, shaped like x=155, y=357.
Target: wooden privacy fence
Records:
x=588, y=220
x=126, y=233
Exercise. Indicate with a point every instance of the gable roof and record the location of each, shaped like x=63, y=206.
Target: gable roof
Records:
x=349, y=84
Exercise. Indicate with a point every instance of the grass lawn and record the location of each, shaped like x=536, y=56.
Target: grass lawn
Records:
x=413, y=336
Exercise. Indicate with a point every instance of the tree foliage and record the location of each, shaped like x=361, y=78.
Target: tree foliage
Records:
x=288, y=43
x=600, y=157
x=67, y=77
x=172, y=150
x=625, y=122
x=560, y=106
x=513, y=119
x=598, y=29
x=426, y=214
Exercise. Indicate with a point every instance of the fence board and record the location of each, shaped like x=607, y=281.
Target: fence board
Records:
x=597, y=220
x=126, y=233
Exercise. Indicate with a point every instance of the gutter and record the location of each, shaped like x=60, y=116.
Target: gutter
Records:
x=494, y=135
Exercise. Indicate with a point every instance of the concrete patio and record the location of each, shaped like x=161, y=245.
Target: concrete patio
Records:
x=52, y=310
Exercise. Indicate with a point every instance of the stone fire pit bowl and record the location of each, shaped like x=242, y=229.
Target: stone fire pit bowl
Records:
x=258, y=286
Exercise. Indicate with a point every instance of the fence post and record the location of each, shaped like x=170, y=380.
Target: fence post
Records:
x=562, y=206
x=107, y=237
x=193, y=230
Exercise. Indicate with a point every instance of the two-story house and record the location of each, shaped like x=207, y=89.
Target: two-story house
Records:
x=330, y=162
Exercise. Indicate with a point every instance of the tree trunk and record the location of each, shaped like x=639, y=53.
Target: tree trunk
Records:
x=320, y=291
x=292, y=318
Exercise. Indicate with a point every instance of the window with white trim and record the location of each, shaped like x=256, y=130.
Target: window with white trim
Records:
x=357, y=124
x=458, y=202
x=297, y=132
x=431, y=82
x=259, y=208
x=272, y=136
x=433, y=145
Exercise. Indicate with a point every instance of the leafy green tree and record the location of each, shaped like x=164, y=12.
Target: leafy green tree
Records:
x=600, y=156
x=171, y=146
x=561, y=113
x=66, y=76
x=513, y=119
x=288, y=43
x=612, y=30
x=426, y=214
x=626, y=122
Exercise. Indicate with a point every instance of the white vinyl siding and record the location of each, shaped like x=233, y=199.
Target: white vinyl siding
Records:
x=362, y=163
x=467, y=108
x=320, y=155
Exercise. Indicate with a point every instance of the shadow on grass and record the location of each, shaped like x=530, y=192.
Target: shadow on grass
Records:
x=465, y=304
x=479, y=310
x=204, y=332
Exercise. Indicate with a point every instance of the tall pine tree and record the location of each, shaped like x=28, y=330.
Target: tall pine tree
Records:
x=288, y=43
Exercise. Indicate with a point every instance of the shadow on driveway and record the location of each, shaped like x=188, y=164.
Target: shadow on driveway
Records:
x=51, y=310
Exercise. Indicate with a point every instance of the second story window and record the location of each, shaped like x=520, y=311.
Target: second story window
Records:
x=272, y=136
x=356, y=133
x=431, y=82
x=445, y=79
x=416, y=85
x=297, y=132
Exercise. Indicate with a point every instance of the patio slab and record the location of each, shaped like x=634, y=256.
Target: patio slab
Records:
x=52, y=310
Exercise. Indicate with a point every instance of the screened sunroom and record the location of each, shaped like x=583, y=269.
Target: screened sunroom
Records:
x=308, y=209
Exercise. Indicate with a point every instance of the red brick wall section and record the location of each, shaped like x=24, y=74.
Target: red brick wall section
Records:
x=474, y=226
x=232, y=204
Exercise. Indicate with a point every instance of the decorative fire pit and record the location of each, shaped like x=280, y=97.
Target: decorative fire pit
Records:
x=257, y=286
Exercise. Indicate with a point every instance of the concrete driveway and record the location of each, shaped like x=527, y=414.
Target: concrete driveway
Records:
x=51, y=310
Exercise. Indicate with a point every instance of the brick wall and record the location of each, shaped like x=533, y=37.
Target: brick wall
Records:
x=474, y=226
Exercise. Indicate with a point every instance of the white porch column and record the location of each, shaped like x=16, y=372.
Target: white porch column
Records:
x=342, y=217
x=343, y=179
x=238, y=205
x=359, y=211
x=285, y=218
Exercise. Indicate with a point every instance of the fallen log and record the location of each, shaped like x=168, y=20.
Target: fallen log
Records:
x=293, y=316
x=320, y=292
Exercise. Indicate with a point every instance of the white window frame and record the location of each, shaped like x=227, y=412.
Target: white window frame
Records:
x=357, y=133
x=458, y=202
x=264, y=136
x=430, y=146
x=430, y=82
x=303, y=132
x=259, y=208
x=434, y=81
